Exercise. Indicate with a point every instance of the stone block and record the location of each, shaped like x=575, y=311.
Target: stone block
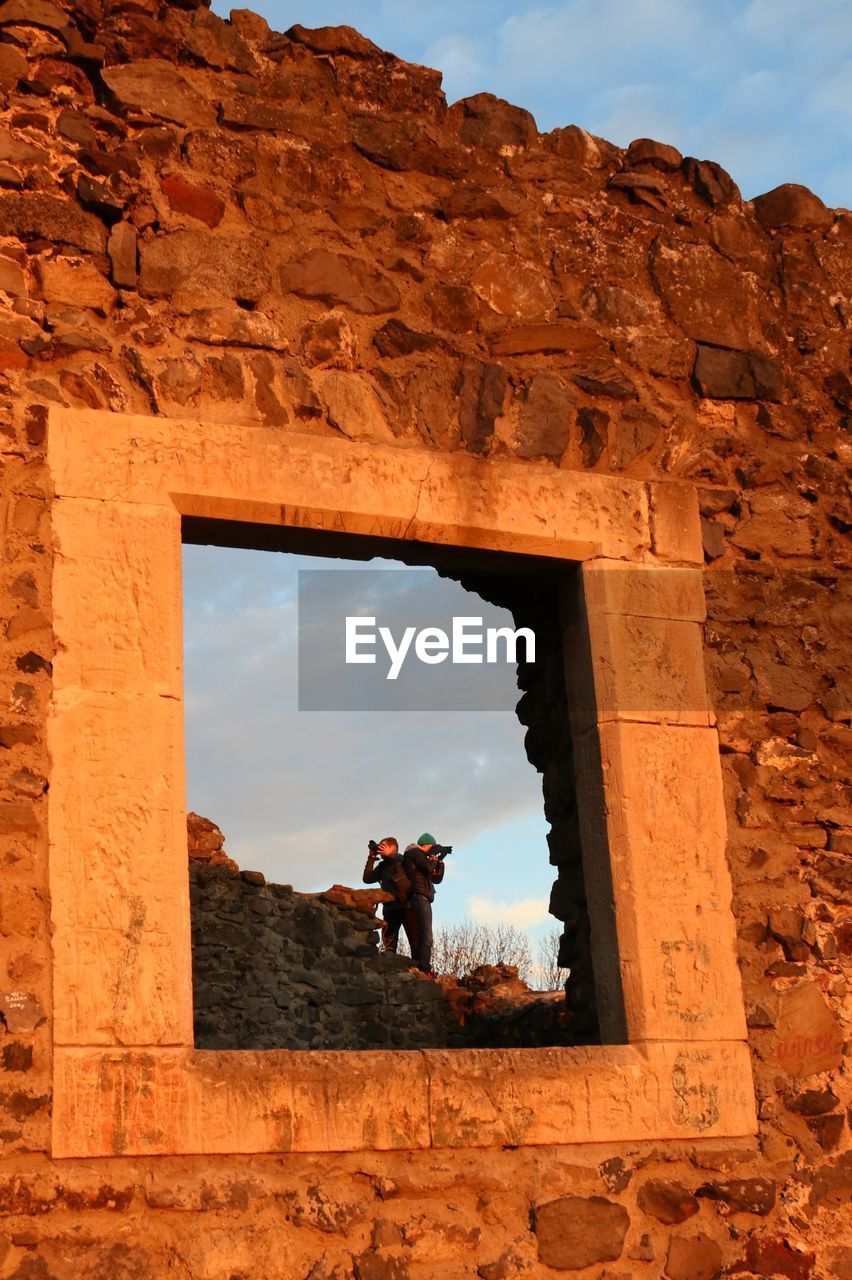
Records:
x=742, y=1195
x=482, y=390
x=122, y=254
x=185, y=1102
x=643, y=591
x=196, y=200
x=656, y=154
x=616, y=1093
x=604, y=378
x=712, y=299
x=117, y=597
x=21, y=1012
x=575, y=1232
x=512, y=288
x=13, y=279
x=249, y=112
x=118, y=869
x=544, y=415
x=227, y=472
x=710, y=181
x=547, y=339
x=724, y=374
x=33, y=216
x=661, y=829
x=668, y=1202
x=650, y=670
x=233, y=327
x=195, y=1102
x=217, y=43
x=157, y=87
x=807, y=1038
x=484, y=120
x=459, y=501
x=353, y=406
x=791, y=206
x=18, y=816
x=676, y=523
x=13, y=66
x=339, y=279
x=334, y=41
x=400, y=143
x=693, y=1258
x=75, y=282
x=200, y=267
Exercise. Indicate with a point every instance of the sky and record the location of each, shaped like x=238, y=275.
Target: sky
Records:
x=763, y=87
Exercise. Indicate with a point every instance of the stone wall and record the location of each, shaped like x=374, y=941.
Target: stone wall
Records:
x=209, y=217
x=277, y=969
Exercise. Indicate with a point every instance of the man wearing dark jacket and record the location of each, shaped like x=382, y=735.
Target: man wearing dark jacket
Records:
x=384, y=867
x=424, y=868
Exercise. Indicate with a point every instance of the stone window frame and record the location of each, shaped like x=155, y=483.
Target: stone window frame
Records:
x=127, y=1078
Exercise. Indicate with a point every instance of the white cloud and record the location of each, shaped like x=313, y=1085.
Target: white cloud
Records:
x=524, y=914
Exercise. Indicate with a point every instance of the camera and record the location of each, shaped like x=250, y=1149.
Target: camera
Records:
x=442, y=850
x=372, y=846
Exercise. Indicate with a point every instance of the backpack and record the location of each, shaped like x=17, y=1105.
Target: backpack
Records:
x=400, y=882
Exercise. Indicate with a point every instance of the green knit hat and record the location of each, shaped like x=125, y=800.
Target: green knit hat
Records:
x=427, y=839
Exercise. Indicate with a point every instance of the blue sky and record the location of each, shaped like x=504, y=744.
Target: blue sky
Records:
x=764, y=87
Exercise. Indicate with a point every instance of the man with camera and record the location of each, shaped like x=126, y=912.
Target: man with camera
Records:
x=424, y=865
x=385, y=867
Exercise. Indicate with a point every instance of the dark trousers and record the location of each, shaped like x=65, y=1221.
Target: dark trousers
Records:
x=422, y=910
x=396, y=917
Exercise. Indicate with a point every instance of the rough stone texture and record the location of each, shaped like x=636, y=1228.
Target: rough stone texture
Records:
x=268, y=130
x=572, y=1233
x=73, y=282
x=722, y=374
x=656, y=154
x=122, y=253
x=49, y=218
x=708, y=297
x=668, y=1202
x=199, y=202
x=155, y=87
x=791, y=205
x=693, y=1258
x=340, y=280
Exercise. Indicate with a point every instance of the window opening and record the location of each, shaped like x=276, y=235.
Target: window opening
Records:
x=278, y=962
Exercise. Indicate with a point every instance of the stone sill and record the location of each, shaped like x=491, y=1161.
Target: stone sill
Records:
x=149, y=1102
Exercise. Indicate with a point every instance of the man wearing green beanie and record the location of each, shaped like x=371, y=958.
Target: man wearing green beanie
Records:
x=424, y=866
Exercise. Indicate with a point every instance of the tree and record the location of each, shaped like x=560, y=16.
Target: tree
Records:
x=460, y=948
